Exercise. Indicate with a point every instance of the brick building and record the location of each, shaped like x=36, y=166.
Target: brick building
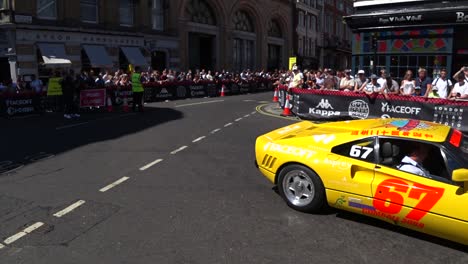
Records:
x=38, y=36
x=321, y=38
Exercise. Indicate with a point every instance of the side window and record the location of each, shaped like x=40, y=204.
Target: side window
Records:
x=361, y=150
x=414, y=157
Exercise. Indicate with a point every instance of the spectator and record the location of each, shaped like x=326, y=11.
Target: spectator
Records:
x=36, y=85
x=347, y=83
x=383, y=78
x=460, y=90
x=391, y=86
x=319, y=79
x=423, y=83
x=360, y=81
x=441, y=86
x=463, y=70
x=297, y=78
x=408, y=85
x=372, y=87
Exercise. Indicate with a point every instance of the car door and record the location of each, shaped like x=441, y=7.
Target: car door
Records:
x=432, y=205
x=351, y=171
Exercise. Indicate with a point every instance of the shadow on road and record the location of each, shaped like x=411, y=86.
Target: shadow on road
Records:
x=25, y=141
x=384, y=225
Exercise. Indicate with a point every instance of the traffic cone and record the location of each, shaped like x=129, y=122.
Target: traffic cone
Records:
x=110, y=108
x=222, y=90
x=287, y=108
x=126, y=109
x=275, y=96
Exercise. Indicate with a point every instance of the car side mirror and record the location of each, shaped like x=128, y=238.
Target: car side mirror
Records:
x=460, y=175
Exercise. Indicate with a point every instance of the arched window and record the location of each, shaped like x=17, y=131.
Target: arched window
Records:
x=274, y=29
x=199, y=11
x=242, y=22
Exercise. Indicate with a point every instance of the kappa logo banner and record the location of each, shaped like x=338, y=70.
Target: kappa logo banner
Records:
x=324, y=108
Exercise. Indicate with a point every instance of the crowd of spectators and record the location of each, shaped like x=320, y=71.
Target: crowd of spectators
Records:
x=420, y=85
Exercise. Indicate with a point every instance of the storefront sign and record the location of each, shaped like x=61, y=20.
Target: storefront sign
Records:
x=93, y=98
x=461, y=17
x=23, y=19
x=393, y=19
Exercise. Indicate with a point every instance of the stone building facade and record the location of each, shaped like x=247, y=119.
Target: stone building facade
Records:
x=40, y=35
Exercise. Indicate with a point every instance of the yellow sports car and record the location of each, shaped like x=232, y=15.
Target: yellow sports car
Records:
x=410, y=173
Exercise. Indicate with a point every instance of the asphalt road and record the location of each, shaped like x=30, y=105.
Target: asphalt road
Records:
x=176, y=184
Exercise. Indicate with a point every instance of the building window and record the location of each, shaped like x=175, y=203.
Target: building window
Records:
x=274, y=29
x=300, y=46
x=243, y=54
x=301, y=18
x=47, y=9
x=126, y=12
x=4, y=4
x=242, y=22
x=198, y=11
x=89, y=11
x=157, y=13
x=339, y=28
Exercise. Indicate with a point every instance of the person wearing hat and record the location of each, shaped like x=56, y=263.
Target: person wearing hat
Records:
x=360, y=81
x=423, y=83
x=372, y=87
x=347, y=83
x=297, y=79
x=460, y=90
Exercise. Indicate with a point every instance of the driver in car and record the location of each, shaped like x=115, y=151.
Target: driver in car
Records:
x=413, y=162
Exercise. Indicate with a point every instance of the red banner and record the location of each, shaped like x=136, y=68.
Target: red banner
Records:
x=93, y=98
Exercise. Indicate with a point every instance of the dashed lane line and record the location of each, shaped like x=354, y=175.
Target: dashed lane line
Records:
x=253, y=113
x=228, y=124
x=238, y=119
x=246, y=115
x=23, y=233
x=216, y=131
x=201, y=103
x=71, y=126
x=198, y=139
x=112, y=185
x=151, y=164
x=1, y=246
x=69, y=209
x=178, y=150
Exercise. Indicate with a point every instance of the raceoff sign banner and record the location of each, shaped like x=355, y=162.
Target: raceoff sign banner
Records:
x=331, y=105
x=93, y=98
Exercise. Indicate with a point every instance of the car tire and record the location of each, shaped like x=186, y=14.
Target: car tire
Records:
x=302, y=189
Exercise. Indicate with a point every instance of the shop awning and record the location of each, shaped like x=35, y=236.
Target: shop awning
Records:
x=134, y=56
x=53, y=55
x=98, y=56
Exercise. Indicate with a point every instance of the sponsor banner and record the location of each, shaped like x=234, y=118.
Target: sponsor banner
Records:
x=197, y=90
x=212, y=89
x=235, y=89
x=119, y=96
x=315, y=105
x=244, y=87
x=93, y=98
x=164, y=93
x=282, y=97
x=181, y=91
x=18, y=106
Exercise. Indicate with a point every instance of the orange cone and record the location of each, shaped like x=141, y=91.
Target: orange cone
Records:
x=110, y=108
x=222, y=90
x=126, y=109
x=287, y=108
x=275, y=96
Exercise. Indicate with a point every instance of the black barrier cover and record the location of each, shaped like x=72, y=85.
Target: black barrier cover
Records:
x=120, y=95
x=235, y=89
x=245, y=87
x=181, y=91
x=165, y=93
x=282, y=98
x=339, y=107
x=212, y=90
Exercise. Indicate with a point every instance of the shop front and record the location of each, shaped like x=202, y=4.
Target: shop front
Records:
x=407, y=37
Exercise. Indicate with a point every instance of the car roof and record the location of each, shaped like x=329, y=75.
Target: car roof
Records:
x=392, y=127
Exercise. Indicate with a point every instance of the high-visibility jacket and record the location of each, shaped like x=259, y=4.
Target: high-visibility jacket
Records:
x=137, y=87
x=54, y=87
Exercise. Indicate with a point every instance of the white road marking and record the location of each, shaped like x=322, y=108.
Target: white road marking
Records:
x=71, y=126
x=69, y=209
x=201, y=103
x=247, y=115
x=198, y=139
x=253, y=113
x=1, y=246
x=238, y=119
x=263, y=102
x=216, y=131
x=228, y=124
x=249, y=101
x=178, y=150
x=151, y=164
x=23, y=233
x=112, y=185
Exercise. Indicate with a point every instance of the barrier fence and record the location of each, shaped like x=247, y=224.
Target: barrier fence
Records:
x=337, y=105
x=12, y=104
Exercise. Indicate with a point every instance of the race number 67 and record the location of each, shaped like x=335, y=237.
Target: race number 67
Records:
x=388, y=198
x=360, y=152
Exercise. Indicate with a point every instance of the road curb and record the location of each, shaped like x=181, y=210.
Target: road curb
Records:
x=274, y=110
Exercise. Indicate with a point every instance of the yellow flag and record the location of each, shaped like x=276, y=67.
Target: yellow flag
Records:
x=131, y=69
